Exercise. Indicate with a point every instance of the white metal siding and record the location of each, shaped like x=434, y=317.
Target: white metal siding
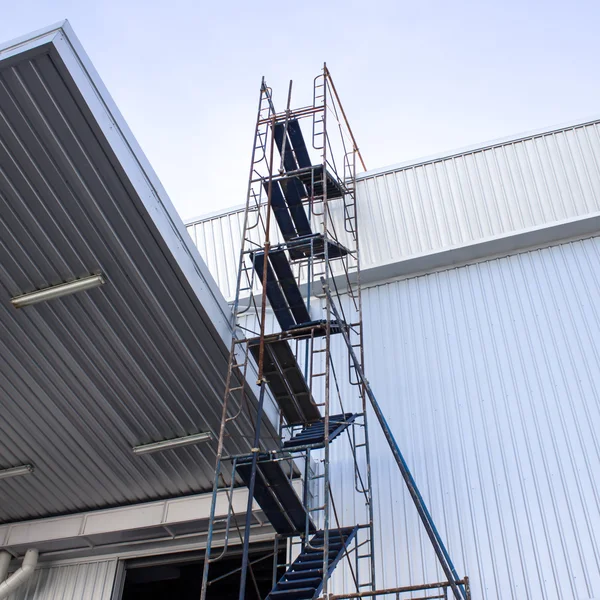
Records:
x=479, y=194
x=431, y=206
x=490, y=377
x=82, y=581
x=488, y=373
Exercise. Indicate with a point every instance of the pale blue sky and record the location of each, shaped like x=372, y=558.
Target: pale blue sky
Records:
x=416, y=78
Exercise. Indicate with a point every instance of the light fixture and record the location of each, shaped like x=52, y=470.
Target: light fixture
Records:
x=187, y=440
x=58, y=291
x=16, y=471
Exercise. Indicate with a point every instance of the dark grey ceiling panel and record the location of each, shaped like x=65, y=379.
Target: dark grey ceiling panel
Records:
x=139, y=359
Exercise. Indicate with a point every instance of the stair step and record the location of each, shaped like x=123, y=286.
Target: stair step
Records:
x=317, y=554
x=299, y=594
x=310, y=564
x=314, y=433
x=286, y=381
x=299, y=583
x=282, y=289
x=275, y=494
x=303, y=574
x=304, y=578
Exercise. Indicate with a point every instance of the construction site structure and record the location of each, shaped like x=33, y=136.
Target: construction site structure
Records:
x=298, y=290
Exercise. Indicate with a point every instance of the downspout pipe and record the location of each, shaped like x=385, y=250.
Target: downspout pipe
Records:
x=19, y=577
x=5, y=558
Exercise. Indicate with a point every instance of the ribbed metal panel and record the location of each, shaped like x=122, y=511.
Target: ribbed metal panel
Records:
x=490, y=378
x=144, y=357
x=480, y=194
x=219, y=241
x=431, y=206
x=83, y=581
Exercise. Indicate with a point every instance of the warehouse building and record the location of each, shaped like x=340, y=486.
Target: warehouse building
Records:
x=480, y=282
x=482, y=274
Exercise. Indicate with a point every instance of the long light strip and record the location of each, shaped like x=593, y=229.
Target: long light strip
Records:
x=187, y=440
x=57, y=291
x=16, y=471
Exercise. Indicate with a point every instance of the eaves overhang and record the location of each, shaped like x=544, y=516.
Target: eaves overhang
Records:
x=142, y=358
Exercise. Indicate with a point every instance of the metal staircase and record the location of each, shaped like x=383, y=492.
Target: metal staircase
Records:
x=304, y=578
x=298, y=286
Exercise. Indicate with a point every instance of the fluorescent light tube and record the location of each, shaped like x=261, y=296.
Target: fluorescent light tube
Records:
x=58, y=291
x=187, y=440
x=16, y=471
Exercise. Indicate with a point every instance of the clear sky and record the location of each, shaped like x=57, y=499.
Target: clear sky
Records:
x=416, y=78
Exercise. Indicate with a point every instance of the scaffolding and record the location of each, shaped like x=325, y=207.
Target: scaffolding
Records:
x=298, y=321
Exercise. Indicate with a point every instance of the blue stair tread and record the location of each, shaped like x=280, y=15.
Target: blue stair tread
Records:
x=286, y=382
x=314, y=433
x=277, y=299
x=298, y=143
x=275, y=495
x=298, y=594
x=282, y=290
x=304, y=578
x=282, y=212
x=303, y=574
x=294, y=191
x=289, y=158
x=286, y=202
x=288, y=284
x=300, y=583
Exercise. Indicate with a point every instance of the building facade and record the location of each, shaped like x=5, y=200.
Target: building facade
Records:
x=481, y=278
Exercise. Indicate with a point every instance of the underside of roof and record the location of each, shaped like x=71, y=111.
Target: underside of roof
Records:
x=140, y=359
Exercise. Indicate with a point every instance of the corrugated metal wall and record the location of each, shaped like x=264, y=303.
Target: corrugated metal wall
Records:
x=81, y=581
x=469, y=197
x=480, y=194
x=489, y=375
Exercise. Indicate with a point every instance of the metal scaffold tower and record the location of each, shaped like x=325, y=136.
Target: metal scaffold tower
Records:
x=298, y=321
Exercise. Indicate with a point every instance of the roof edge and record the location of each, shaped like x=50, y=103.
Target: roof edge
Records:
x=415, y=162
x=479, y=147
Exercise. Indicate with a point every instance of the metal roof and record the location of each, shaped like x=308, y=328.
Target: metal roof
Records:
x=143, y=357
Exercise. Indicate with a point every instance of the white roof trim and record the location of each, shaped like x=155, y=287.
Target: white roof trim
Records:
x=99, y=530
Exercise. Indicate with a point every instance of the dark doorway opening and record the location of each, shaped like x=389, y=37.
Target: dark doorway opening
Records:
x=180, y=576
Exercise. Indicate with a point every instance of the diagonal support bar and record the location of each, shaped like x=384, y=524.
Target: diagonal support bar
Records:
x=433, y=534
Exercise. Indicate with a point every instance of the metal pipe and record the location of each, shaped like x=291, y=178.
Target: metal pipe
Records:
x=20, y=576
x=432, y=533
x=399, y=590
x=264, y=92
x=248, y=523
x=5, y=558
x=328, y=76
